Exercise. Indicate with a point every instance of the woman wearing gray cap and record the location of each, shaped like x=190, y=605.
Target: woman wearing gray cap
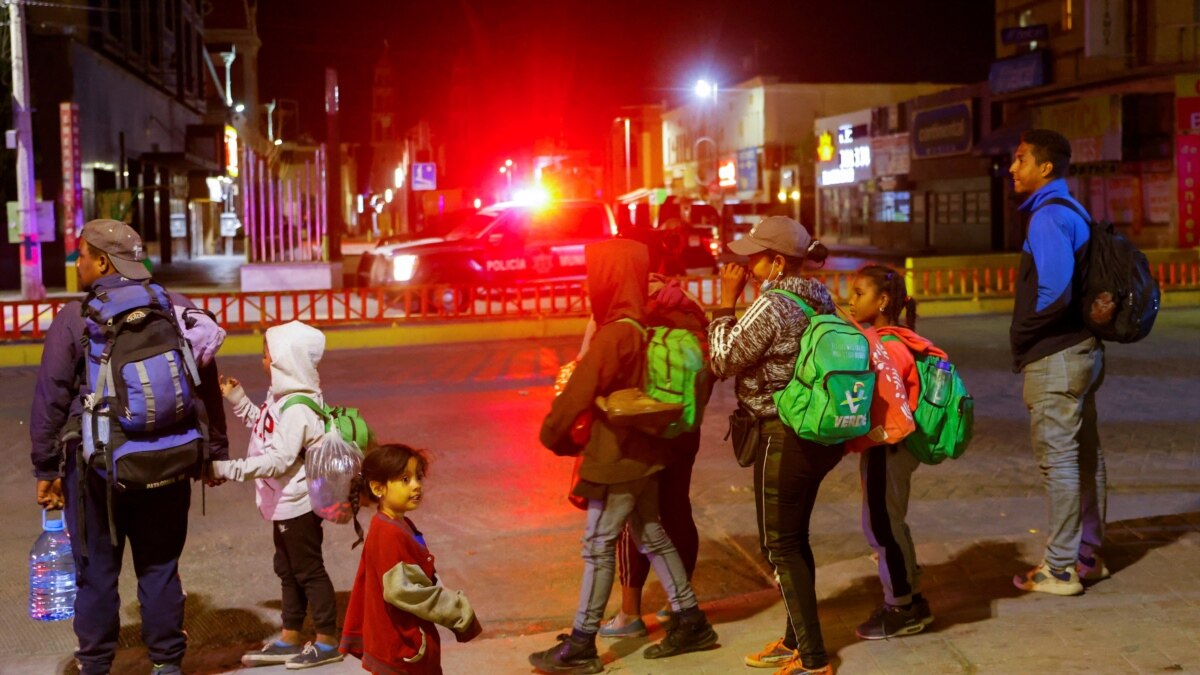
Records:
x=759, y=351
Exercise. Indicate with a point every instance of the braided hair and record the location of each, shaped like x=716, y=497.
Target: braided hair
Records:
x=891, y=283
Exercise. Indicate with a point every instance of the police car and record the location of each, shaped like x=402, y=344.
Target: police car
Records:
x=500, y=245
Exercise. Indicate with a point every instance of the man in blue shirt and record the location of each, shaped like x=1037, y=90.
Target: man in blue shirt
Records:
x=1063, y=365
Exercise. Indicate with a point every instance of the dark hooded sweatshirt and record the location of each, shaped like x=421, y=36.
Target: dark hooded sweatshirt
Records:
x=617, y=274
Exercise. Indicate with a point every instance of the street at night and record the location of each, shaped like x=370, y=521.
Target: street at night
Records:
x=497, y=519
x=471, y=270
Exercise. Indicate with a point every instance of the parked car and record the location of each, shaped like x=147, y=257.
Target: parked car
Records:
x=499, y=245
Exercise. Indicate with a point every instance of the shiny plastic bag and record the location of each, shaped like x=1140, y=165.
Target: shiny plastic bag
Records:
x=332, y=467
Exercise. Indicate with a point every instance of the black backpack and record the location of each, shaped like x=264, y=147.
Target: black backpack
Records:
x=1113, y=265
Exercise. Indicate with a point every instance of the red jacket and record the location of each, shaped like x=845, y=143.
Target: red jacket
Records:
x=396, y=601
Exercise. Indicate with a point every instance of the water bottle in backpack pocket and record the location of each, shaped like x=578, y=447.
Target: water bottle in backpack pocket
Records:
x=945, y=413
x=52, y=573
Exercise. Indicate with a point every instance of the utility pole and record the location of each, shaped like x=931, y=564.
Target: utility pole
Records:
x=31, y=248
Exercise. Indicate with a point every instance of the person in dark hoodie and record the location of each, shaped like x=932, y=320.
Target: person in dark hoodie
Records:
x=670, y=306
x=154, y=521
x=618, y=472
x=1063, y=366
x=759, y=350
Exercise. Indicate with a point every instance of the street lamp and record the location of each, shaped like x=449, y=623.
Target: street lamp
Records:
x=706, y=89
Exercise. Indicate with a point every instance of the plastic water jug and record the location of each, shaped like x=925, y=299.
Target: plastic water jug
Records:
x=52, y=573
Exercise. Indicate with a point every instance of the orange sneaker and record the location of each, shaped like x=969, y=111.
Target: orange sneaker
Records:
x=773, y=655
x=796, y=667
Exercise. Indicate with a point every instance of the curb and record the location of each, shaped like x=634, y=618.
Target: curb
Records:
x=369, y=337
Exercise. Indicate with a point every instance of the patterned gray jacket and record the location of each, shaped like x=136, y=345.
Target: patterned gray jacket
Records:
x=760, y=349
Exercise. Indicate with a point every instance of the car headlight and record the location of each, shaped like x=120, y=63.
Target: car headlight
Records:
x=403, y=267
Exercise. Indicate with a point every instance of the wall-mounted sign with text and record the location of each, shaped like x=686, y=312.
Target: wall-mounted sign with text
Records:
x=942, y=132
x=849, y=153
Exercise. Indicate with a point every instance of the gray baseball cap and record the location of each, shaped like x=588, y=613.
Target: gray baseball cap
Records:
x=120, y=243
x=777, y=233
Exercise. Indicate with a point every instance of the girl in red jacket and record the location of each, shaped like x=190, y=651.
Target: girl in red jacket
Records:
x=877, y=300
x=397, y=600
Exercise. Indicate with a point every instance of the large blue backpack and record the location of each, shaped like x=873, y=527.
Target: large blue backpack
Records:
x=144, y=425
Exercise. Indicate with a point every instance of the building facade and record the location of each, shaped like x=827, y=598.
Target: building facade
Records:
x=752, y=146
x=1121, y=80
x=131, y=74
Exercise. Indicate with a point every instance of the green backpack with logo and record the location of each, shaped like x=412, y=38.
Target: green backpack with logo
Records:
x=828, y=399
x=945, y=415
x=676, y=373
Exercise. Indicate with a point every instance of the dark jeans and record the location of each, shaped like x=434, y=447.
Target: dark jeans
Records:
x=787, y=474
x=154, y=522
x=675, y=512
x=301, y=571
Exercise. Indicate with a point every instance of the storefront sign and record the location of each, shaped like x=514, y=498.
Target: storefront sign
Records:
x=1092, y=124
x=944, y=131
x=1156, y=187
x=1187, y=157
x=747, y=170
x=231, y=151
x=45, y=221
x=1020, y=35
x=1104, y=28
x=850, y=155
x=1019, y=72
x=727, y=173
x=1187, y=103
x=825, y=149
x=890, y=155
x=72, y=174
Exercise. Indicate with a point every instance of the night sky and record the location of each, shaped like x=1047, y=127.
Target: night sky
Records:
x=561, y=69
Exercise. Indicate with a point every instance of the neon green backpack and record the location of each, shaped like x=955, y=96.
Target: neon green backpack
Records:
x=828, y=399
x=945, y=415
x=676, y=372
x=347, y=421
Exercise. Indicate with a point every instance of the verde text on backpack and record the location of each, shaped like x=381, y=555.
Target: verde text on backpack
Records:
x=828, y=400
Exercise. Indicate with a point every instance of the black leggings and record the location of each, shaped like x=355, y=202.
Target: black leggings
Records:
x=301, y=571
x=787, y=474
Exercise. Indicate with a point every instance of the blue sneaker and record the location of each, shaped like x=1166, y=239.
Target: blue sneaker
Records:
x=272, y=653
x=166, y=669
x=635, y=628
x=315, y=654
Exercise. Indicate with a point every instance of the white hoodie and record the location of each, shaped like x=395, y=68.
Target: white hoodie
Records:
x=277, y=438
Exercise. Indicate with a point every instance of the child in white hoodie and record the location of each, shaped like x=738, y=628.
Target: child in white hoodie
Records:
x=279, y=434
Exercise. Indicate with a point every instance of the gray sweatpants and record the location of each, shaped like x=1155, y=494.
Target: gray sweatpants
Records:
x=635, y=502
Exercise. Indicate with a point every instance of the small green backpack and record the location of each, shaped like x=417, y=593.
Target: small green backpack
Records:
x=349, y=423
x=945, y=415
x=828, y=399
x=676, y=372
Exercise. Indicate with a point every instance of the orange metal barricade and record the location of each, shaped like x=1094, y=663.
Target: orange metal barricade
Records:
x=29, y=320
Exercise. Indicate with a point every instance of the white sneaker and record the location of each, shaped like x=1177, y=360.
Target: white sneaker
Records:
x=1092, y=568
x=1045, y=579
